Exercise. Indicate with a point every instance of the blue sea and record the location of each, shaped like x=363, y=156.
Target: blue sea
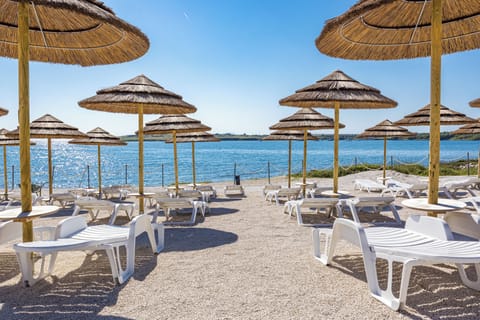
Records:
x=76, y=165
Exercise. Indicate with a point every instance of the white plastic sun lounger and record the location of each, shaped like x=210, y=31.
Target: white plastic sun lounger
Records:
x=423, y=241
x=73, y=234
x=368, y=185
x=288, y=193
x=397, y=188
x=450, y=188
x=94, y=206
x=356, y=205
x=295, y=206
x=168, y=204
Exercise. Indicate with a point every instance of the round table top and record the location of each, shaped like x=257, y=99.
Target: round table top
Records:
x=442, y=205
x=37, y=211
x=339, y=193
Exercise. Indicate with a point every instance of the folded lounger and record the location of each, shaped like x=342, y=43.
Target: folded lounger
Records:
x=368, y=185
x=295, y=206
x=73, y=234
x=397, y=188
x=423, y=241
x=288, y=193
x=167, y=204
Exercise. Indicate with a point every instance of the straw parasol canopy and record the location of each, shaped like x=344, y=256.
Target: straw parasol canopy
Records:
x=475, y=103
x=305, y=119
x=139, y=95
x=386, y=29
x=48, y=127
x=422, y=117
x=99, y=137
x=338, y=91
x=289, y=135
x=470, y=129
x=174, y=124
x=384, y=130
x=7, y=141
x=194, y=137
x=59, y=31
x=71, y=32
x=3, y=112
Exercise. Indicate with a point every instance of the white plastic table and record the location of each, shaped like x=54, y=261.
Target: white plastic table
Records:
x=442, y=205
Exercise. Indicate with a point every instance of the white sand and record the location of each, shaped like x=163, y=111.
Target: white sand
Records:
x=246, y=260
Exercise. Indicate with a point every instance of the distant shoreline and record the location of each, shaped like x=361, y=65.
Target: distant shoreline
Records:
x=328, y=137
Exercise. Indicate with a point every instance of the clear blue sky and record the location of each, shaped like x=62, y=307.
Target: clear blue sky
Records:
x=233, y=60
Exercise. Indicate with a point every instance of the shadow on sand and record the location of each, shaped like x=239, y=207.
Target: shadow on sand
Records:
x=189, y=239
x=433, y=292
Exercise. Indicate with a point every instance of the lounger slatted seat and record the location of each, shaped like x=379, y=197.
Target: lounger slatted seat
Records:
x=423, y=241
x=73, y=234
x=94, y=206
x=208, y=192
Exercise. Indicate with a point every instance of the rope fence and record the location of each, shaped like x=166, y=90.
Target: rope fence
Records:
x=159, y=173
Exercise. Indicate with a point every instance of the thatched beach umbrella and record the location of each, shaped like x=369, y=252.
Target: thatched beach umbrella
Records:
x=338, y=91
x=384, y=130
x=470, y=129
x=388, y=30
x=139, y=95
x=422, y=117
x=194, y=137
x=48, y=127
x=475, y=103
x=99, y=137
x=174, y=124
x=3, y=112
x=60, y=31
x=305, y=119
x=7, y=141
x=289, y=135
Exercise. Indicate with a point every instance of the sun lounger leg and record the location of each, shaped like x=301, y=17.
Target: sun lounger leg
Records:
x=473, y=284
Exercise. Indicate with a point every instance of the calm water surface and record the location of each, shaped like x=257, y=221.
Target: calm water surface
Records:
x=215, y=161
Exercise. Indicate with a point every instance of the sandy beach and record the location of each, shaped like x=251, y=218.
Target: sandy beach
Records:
x=245, y=260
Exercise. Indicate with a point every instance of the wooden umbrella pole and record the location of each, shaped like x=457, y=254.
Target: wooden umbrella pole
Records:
x=289, y=163
x=24, y=114
x=5, y=176
x=175, y=166
x=141, y=201
x=305, y=139
x=436, y=62
x=50, y=168
x=193, y=165
x=384, y=158
x=336, y=127
x=99, y=172
x=478, y=165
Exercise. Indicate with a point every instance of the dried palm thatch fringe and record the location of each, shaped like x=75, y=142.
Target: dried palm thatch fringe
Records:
x=71, y=32
x=9, y=141
x=338, y=87
x=50, y=127
x=389, y=29
x=194, y=137
x=305, y=119
x=385, y=129
x=170, y=123
x=139, y=91
x=475, y=103
x=99, y=136
x=422, y=117
x=3, y=112
x=289, y=135
x=471, y=128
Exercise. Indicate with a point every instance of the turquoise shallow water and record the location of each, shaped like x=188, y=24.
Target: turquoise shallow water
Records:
x=215, y=161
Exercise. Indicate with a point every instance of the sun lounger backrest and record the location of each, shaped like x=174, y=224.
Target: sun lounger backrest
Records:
x=429, y=226
x=10, y=230
x=69, y=226
x=464, y=224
